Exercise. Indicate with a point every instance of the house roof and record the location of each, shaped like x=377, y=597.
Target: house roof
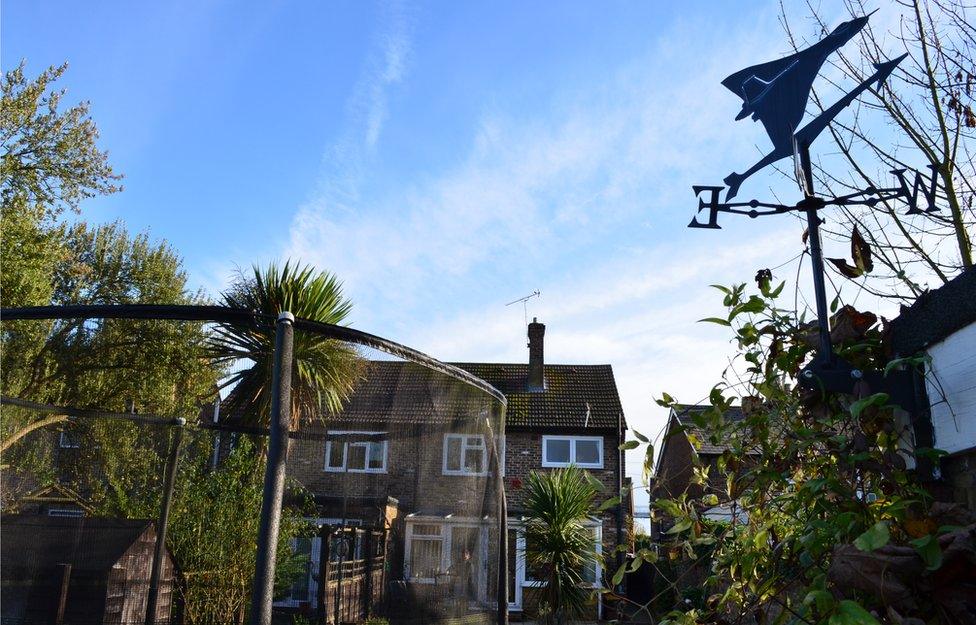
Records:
x=712, y=443
x=935, y=315
x=576, y=396
x=89, y=544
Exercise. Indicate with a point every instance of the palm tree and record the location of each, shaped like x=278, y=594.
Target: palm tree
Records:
x=558, y=543
x=324, y=371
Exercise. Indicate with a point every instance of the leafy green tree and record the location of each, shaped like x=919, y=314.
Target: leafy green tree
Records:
x=325, y=370
x=50, y=158
x=213, y=535
x=111, y=364
x=49, y=162
x=559, y=544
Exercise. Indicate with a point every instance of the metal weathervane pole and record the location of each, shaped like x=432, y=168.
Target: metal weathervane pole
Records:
x=825, y=353
x=775, y=93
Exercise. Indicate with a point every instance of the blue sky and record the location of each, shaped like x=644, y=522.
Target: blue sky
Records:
x=444, y=159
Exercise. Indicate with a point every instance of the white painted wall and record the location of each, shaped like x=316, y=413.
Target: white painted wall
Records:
x=951, y=386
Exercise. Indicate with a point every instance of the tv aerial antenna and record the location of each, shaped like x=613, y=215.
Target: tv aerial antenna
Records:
x=525, y=305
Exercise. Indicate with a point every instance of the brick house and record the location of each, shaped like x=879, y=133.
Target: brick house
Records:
x=673, y=470
x=412, y=450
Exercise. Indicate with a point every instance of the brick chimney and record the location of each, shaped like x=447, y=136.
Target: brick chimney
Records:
x=536, y=381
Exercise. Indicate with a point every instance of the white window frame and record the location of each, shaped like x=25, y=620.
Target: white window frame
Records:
x=446, y=539
x=65, y=512
x=464, y=448
x=408, y=548
x=345, y=451
x=572, y=451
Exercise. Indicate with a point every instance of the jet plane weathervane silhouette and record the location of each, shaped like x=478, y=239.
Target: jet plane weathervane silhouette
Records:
x=776, y=94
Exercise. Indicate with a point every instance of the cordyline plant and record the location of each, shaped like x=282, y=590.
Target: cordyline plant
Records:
x=825, y=522
x=559, y=544
x=324, y=370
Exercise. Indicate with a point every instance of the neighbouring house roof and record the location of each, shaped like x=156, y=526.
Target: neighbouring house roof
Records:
x=935, y=315
x=89, y=544
x=575, y=397
x=712, y=443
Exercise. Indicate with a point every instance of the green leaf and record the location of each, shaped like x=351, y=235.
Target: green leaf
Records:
x=718, y=320
x=834, y=303
x=609, y=503
x=908, y=360
x=821, y=598
x=640, y=436
x=874, y=538
x=628, y=445
x=878, y=399
x=666, y=401
x=647, y=555
x=681, y=526
x=669, y=507
x=929, y=550
x=648, y=467
x=851, y=613
x=754, y=304
x=775, y=292
x=618, y=577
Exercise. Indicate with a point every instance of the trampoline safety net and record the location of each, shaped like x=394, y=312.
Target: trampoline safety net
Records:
x=114, y=429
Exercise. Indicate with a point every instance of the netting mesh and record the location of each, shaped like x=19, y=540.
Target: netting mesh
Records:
x=392, y=506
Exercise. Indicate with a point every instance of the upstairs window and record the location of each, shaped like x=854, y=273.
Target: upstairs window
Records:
x=356, y=452
x=465, y=454
x=583, y=451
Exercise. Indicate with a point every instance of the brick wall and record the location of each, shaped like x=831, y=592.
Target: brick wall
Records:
x=414, y=474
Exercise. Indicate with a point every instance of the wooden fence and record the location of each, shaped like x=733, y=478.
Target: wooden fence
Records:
x=352, y=574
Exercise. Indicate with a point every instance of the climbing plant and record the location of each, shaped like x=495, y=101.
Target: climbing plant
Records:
x=822, y=519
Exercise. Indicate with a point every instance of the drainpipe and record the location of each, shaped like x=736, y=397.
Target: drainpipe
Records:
x=620, y=506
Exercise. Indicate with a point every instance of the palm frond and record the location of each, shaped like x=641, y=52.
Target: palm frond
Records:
x=324, y=371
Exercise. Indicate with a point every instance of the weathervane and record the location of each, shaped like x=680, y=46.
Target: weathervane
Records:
x=776, y=94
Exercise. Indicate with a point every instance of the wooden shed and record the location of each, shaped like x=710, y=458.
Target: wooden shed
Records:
x=79, y=570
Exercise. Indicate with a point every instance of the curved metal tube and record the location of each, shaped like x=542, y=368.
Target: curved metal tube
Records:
x=225, y=314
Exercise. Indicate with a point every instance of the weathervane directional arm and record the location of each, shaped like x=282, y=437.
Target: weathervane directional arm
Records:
x=812, y=130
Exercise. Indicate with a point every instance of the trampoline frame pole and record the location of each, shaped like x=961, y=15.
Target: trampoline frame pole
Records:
x=172, y=461
x=274, y=474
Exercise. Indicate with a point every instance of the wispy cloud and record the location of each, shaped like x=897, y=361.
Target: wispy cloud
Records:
x=585, y=198
x=345, y=162
x=387, y=66
x=534, y=191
